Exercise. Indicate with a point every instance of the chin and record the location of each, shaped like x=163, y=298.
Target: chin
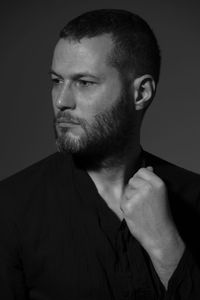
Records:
x=69, y=143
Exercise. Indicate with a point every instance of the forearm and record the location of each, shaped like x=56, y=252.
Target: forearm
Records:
x=166, y=257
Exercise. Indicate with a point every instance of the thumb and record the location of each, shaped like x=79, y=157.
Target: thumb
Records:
x=150, y=168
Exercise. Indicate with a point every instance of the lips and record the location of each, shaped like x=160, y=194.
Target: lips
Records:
x=63, y=123
x=66, y=122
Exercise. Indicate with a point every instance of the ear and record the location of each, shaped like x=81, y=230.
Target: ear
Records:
x=144, y=90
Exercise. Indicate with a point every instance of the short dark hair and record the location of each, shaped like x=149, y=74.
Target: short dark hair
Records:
x=135, y=46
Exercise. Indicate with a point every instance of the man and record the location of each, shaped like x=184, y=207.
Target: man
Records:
x=101, y=219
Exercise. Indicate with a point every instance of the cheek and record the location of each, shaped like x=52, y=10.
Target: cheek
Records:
x=99, y=101
x=89, y=110
x=109, y=96
x=88, y=104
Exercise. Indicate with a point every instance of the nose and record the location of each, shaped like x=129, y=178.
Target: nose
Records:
x=64, y=98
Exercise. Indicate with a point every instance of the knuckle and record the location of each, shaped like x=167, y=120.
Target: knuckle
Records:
x=128, y=192
x=141, y=171
x=147, y=187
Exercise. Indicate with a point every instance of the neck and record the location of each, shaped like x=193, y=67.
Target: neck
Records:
x=118, y=169
x=112, y=177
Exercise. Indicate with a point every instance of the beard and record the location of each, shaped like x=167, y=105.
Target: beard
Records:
x=105, y=140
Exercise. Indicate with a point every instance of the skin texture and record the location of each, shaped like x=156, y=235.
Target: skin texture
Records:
x=85, y=85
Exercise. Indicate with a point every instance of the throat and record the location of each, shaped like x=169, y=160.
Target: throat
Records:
x=110, y=185
x=112, y=194
x=112, y=177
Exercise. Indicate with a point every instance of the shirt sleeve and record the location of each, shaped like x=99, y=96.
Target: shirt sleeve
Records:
x=12, y=283
x=185, y=282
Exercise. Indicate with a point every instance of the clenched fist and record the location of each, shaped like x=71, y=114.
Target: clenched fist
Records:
x=146, y=211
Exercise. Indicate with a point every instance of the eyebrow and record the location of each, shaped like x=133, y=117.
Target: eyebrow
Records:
x=52, y=72
x=75, y=76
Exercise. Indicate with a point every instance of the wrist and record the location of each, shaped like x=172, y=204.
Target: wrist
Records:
x=168, y=250
x=166, y=258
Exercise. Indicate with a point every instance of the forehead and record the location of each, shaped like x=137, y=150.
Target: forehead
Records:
x=88, y=54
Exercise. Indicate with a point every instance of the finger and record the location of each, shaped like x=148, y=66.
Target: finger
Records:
x=129, y=192
x=148, y=175
x=136, y=182
x=150, y=168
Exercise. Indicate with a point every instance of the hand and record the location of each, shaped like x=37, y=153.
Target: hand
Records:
x=146, y=211
x=147, y=214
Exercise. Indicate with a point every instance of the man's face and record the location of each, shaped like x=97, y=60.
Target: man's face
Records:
x=94, y=112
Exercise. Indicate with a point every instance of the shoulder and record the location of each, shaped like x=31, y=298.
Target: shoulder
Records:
x=35, y=172
x=18, y=190
x=169, y=169
x=179, y=180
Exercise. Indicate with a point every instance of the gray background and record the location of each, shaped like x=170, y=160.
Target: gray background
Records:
x=29, y=31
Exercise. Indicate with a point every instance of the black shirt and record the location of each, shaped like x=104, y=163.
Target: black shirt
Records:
x=59, y=239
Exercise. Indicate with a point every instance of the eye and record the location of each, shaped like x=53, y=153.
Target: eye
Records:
x=85, y=83
x=55, y=80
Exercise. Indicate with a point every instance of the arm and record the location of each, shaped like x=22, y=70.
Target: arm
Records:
x=167, y=255
x=146, y=210
x=184, y=283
